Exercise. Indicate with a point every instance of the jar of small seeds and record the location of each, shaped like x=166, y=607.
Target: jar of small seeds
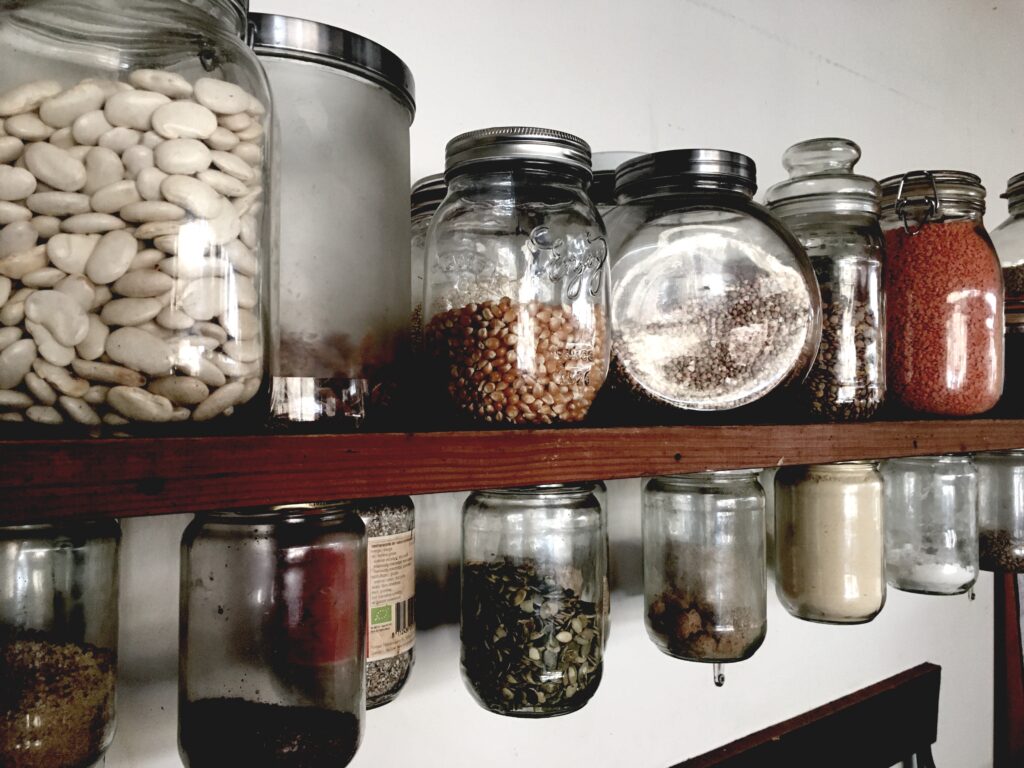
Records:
x=534, y=567
x=834, y=214
x=1001, y=511
x=390, y=595
x=517, y=290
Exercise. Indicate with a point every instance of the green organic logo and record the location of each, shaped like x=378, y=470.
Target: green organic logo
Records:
x=380, y=615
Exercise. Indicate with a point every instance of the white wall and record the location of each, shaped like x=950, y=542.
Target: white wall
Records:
x=920, y=83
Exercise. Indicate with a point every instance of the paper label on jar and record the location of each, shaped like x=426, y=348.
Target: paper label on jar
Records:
x=391, y=595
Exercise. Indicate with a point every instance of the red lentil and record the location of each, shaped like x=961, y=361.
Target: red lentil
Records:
x=944, y=312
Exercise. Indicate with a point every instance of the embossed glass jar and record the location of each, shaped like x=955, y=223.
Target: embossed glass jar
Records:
x=517, y=291
x=136, y=260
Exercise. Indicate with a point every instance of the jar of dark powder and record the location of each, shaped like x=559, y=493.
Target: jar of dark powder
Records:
x=534, y=566
x=705, y=572
x=273, y=637
x=834, y=214
x=714, y=302
x=390, y=594
x=1001, y=511
x=58, y=643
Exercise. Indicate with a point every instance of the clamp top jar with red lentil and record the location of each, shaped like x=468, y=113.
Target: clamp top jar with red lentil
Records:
x=516, y=289
x=944, y=294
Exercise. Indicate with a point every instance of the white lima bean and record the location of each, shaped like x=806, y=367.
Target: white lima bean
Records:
x=129, y=234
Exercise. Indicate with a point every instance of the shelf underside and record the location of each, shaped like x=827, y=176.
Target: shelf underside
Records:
x=151, y=476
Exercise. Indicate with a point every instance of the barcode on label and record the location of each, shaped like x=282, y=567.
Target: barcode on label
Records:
x=405, y=615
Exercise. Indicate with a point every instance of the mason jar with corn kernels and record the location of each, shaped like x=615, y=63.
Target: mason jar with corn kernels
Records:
x=516, y=292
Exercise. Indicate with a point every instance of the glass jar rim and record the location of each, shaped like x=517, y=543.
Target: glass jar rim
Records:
x=712, y=475
x=545, y=489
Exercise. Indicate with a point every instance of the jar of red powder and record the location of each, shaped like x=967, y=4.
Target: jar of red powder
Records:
x=944, y=294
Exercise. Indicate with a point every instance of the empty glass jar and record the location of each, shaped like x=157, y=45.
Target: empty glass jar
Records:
x=427, y=194
x=931, y=524
x=834, y=214
x=715, y=302
x=517, y=289
x=534, y=574
x=273, y=637
x=705, y=574
x=58, y=643
x=1008, y=239
x=943, y=293
x=829, y=546
x=1001, y=510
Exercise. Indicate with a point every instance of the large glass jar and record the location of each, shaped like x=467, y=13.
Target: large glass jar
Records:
x=58, y=643
x=344, y=106
x=834, y=214
x=705, y=574
x=273, y=637
x=533, y=610
x=715, y=304
x=943, y=293
x=426, y=196
x=134, y=254
x=931, y=524
x=829, y=547
x=517, y=289
x=1001, y=511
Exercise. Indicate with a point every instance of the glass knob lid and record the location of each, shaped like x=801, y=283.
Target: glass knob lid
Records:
x=818, y=156
x=821, y=179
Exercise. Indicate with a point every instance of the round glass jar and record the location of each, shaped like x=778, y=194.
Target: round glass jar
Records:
x=829, y=546
x=705, y=572
x=135, y=244
x=517, y=289
x=931, y=524
x=534, y=573
x=58, y=643
x=273, y=637
x=943, y=293
x=834, y=214
x=426, y=196
x=1008, y=239
x=715, y=304
x=390, y=595
x=1001, y=511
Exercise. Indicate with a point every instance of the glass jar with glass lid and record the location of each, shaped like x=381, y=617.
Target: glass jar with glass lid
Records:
x=829, y=545
x=534, y=573
x=715, y=303
x=943, y=293
x=134, y=161
x=58, y=643
x=426, y=196
x=1001, y=511
x=517, y=291
x=834, y=213
x=705, y=573
x=273, y=637
x=931, y=524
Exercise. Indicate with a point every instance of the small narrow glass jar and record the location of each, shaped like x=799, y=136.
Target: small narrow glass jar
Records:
x=829, y=546
x=943, y=293
x=834, y=214
x=58, y=643
x=1001, y=511
x=931, y=524
x=426, y=196
x=517, y=290
x=534, y=572
x=1008, y=239
x=390, y=595
x=273, y=637
x=705, y=573
x=602, y=188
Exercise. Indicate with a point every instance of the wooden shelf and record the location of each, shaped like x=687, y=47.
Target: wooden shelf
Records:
x=152, y=476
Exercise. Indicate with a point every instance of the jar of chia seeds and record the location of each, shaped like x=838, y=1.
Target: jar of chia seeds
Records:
x=1001, y=511
x=943, y=293
x=272, y=664
x=534, y=573
x=58, y=643
x=1008, y=239
x=390, y=595
x=834, y=213
x=715, y=303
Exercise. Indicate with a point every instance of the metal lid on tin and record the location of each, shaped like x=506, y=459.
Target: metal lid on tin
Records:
x=427, y=194
x=821, y=180
x=515, y=143
x=291, y=38
x=711, y=169
x=1014, y=193
x=602, y=188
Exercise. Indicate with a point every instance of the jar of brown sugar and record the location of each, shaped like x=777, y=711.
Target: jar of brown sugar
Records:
x=944, y=294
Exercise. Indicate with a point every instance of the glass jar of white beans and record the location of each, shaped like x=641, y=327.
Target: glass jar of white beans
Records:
x=134, y=235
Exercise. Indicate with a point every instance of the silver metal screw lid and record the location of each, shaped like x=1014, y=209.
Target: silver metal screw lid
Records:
x=821, y=180
x=427, y=194
x=711, y=169
x=510, y=144
x=1014, y=193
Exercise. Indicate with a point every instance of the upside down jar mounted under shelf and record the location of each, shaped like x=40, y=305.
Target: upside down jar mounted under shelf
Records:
x=346, y=105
